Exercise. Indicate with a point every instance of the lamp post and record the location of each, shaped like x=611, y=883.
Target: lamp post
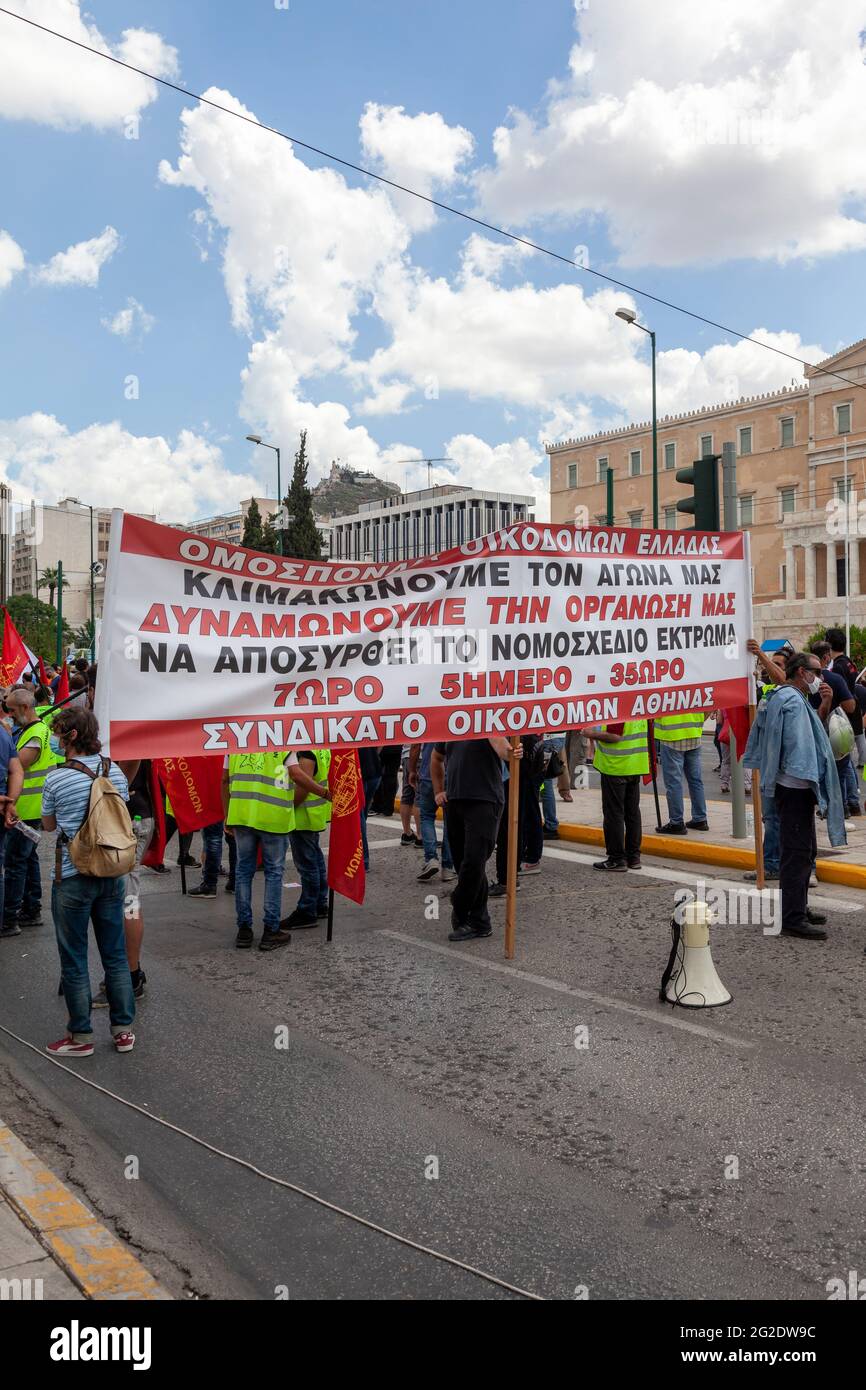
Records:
x=257, y=439
x=629, y=316
x=844, y=434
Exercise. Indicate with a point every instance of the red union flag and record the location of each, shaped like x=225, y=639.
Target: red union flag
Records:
x=14, y=660
x=194, y=788
x=345, y=849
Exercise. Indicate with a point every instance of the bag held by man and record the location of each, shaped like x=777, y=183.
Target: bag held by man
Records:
x=104, y=844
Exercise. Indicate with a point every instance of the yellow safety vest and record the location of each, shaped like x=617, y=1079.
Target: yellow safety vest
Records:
x=261, y=793
x=627, y=758
x=29, y=803
x=676, y=728
x=314, y=812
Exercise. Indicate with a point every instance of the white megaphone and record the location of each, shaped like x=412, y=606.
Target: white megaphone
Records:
x=691, y=979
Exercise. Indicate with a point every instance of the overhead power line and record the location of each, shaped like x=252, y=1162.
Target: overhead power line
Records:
x=433, y=202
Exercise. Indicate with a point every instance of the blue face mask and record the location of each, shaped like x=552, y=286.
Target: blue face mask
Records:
x=54, y=744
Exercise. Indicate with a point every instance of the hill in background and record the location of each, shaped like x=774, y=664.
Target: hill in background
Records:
x=345, y=489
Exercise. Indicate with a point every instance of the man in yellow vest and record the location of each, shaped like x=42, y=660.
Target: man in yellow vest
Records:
x=312, y=815
x=23, y=901
x=680, y=737
x=258, y=800
x=622, y=758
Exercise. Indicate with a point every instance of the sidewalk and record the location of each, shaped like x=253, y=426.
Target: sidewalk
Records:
x=51, y=1247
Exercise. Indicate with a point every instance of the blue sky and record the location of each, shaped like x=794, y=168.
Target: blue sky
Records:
x=365, y=321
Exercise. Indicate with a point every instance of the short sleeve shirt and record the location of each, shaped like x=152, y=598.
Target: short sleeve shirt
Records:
x=66, y=796
x=473, y=771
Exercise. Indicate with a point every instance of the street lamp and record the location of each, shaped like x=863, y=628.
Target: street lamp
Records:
x=630, y=317
x=257, y=439
x=844, y=434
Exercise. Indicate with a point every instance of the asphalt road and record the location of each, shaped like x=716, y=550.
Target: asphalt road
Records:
x=560, y=1168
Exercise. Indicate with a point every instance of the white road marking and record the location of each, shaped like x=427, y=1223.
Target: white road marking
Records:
x=667, y=1019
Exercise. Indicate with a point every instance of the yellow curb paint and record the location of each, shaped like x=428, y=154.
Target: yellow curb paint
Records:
x=95, y=1259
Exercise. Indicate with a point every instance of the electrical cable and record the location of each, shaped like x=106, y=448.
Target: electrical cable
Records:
x=281, y=1182
x=433, y=202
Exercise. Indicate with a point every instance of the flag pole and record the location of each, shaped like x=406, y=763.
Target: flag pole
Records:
x=651, y=750
x=511, y=876
x=330, y=935
x=757, y=816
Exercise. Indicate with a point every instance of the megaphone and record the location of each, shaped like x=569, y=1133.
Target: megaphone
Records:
x=690, y=979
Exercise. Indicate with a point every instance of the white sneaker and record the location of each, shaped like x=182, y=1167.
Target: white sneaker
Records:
x=447, y=874
x=813, y=880
x=849, y=825
x=430, y=870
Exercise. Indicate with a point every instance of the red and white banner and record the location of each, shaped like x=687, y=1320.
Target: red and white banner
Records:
x=207, y=648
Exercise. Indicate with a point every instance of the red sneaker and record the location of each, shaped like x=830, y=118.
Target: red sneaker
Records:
x=67, y=1047
x=124, y=1042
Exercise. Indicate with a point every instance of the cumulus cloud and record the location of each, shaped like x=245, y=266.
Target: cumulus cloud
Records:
x=79, y=264
x=134, y=319
x=44, y=79
x=422, y=152
x=177, y=481
x=11, y=259
x=700, y=132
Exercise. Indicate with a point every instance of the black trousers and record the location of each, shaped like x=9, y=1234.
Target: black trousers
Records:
x=185, y=840
x=620, y=806
x=796, y=807
x=472, y=827
x=530, y=841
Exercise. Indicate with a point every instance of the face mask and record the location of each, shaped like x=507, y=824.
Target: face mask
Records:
x=814, y=685
x=54, y=744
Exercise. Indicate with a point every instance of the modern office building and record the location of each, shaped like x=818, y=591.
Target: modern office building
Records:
x=424, y=522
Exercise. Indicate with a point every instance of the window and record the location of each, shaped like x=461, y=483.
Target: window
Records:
x=635, y=518
x=572, y=475
x=634, y=463
x=603, y=468
x=746, y=440
x=670, y=456
x=839, y=487
x=843, y=419
x=786, y=426
x=747, y=510
x=706, y=442
x=783, y=578
x=670, y=518
x=787, y=500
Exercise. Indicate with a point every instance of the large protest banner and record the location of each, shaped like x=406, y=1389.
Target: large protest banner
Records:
x=207, y=648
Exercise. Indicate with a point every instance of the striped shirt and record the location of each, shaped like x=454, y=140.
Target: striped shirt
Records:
x=67, y=797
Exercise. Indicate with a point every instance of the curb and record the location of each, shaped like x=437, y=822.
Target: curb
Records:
x=93, y=1258
x=724, y=856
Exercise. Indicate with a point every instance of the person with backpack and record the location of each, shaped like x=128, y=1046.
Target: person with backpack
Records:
x=84, y=800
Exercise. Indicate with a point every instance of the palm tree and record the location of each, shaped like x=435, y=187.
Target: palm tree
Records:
x=48, y=580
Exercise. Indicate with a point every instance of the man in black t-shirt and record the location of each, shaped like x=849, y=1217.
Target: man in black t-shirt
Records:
x=467, y=784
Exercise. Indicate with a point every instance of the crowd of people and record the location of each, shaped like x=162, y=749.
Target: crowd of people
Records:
x=805, y=742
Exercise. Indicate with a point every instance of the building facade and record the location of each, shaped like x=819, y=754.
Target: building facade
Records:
x=410, y=524
x=791, y=447
x=229, y=526
x=43, y=536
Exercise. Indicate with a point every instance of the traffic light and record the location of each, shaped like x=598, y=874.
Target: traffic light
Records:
x=703, y=505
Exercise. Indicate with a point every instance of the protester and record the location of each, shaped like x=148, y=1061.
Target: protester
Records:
x=77, y=689
x=419, y=775
x=33, y=741
x=312, y=815
x=371, y=777
x=472, y=773
x=841, y=699
x=680, y=737
x=575, y=757
x=842, y=665
x=141, y=810
x=389, y=768
x=769, y=674
x=554, y=749
x=527, y=808
x=258, y=802
x=789, y=746
x=11, y=780
x=78, y=899
x=409, y=811
x=622, y=759
x=212, y=837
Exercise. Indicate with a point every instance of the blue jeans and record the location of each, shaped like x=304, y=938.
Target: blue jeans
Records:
x=23, y=877
x=848, y=782
x=548, y=791
x=75, y=902
x=310, y=864
x=370, y=789
x=2, y=874
x=772, y=847
x=674, y=764
x=428, y=808
x=212, y=843
x=273, y=858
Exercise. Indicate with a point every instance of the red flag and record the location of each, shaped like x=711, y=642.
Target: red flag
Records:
x=153, y=855
x=194, y=788
x=345, y=848
x=738, y=720
x=62, y=691
x=14, y=660
x=43, y=674
x=651, y=749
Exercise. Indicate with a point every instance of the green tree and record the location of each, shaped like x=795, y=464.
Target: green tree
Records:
x=48, y=580
x=252, y=537
x=270, y=540
x=83, y=635
x=858, y=642
x=301, y=538
x=37, y=623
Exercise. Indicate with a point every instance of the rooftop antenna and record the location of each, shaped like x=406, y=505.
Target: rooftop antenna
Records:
x=428, y=462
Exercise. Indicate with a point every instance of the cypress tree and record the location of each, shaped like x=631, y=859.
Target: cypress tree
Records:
x=252, y=537
x=301, y=537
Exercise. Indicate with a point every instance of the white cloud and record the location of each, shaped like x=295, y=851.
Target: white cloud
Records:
x=79, y=264
x=421, y=152
x=700, y=132
x=44, y=79
x=176, y=481
x=11, y=259
x=134, y=318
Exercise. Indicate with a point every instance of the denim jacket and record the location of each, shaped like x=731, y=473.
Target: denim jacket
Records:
x=787, y=736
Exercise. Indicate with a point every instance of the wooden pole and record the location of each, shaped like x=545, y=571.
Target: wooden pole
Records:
x=756, y=815
x=330, y=935
x=513, y=851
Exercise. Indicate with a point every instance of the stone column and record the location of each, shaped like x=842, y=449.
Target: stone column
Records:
x=790, y=573
x=832, y=586
x=854, y=563
x=810, y=570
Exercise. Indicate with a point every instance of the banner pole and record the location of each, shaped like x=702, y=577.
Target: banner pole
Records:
x=651, y=739
x=757, y=816
x=330, y=935
x=511, y=875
